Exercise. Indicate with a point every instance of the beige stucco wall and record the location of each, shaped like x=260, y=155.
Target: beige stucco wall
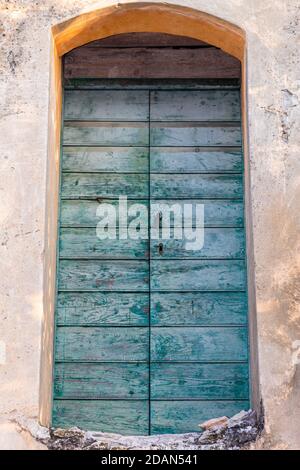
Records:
x=272, y=29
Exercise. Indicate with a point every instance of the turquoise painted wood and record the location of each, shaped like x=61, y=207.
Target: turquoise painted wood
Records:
x=99, y=308
x=103, y=275
x=150, y=337
x=93, y=344
x=218, y=243
x=102, y=381
x=106, y=133
x=190, y=106
x=83, y=213
x=196, y=186
x=107, y=159
x=179, y=134
x=127, y=416
x=103, y=105
x=205, y=381
x=218, y=213
x=84, y=243
x=76, y=185
x=176, y=344
x=190, y=275
x=162, y=160
x=123, y=381
x=198, y=308
x=195, y=160
x=85, y=185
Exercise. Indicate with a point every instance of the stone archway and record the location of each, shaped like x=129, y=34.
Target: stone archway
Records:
x=148, y=17
x=132, y=17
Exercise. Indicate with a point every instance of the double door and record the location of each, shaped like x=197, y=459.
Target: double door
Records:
x=151, y=337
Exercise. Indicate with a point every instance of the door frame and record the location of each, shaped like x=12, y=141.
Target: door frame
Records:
x=98, y=24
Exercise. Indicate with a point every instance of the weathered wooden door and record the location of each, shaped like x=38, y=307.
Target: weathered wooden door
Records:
x=150, y=337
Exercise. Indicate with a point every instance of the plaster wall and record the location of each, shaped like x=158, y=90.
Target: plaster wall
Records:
x=273, y=87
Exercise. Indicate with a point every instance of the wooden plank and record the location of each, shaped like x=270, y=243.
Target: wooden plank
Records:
x=94, y=381
x=105, y=133
x=195, y=160
x=185, y=416
x=109, y=308
x=106, y=105
x=150, y=62
x=217, y=213
x=185, y=275
x=205, y=105
x=103, y=275
x=189, y=275
x=176, y=344
x=199, y=344
x=106, y=159
x=218, y=243
x=196, y=186
x=85, y=185
x=179, y=134
x=82, y=213
x=198, y=308
x=84, y=243
x=119, y=416
x=199, y=381
x=148, y=84
x=106, y=344
x=145, y=40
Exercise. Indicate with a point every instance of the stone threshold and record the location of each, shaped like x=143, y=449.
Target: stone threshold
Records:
x=236, y=433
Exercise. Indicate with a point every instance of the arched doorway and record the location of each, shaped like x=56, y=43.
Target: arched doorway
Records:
x=99, y=24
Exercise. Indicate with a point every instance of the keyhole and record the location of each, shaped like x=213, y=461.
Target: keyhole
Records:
x=160, y=249
x=160, y=219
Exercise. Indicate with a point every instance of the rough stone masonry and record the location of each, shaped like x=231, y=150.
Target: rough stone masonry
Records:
x=236, y=433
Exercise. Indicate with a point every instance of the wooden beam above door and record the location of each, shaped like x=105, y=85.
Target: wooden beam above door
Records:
x=146, y=40
x=148, y=55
